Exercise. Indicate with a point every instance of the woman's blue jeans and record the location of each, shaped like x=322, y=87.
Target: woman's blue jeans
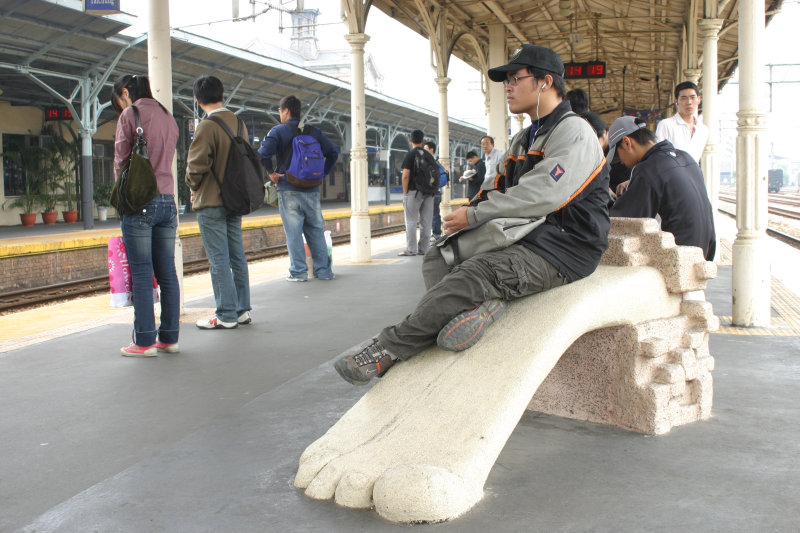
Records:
x=149, y=237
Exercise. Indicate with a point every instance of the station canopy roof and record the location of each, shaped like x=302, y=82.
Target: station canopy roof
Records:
x=641, y=41
x=58, y=45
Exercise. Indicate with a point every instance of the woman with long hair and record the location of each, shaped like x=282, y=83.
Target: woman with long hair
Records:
x=149, y=234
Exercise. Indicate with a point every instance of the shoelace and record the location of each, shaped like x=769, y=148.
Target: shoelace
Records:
x=371, y=354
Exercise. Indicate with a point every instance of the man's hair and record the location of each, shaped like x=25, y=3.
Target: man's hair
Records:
x=431, y=145
x=471, y=154
x=642, y=136
x=558, y=81
x=686, y=85
x=597, y=123
x=579, y=101
x=417, y=136
x=292, y=103
x=208, y=89
x=491, y=139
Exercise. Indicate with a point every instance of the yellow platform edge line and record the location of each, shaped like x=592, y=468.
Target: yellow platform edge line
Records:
x=99, y=237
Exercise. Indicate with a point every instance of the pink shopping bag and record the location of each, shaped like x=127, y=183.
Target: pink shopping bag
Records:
x=119, y=275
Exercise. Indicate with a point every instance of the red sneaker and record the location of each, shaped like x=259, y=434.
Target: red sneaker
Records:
x=168, y=348
x=134, y=350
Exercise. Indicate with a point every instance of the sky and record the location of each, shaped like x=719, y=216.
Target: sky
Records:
x=396, y=49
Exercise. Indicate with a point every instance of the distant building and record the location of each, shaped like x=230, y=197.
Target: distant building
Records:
x=304, y=52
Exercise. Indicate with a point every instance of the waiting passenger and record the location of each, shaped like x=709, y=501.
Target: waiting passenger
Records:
x=578, y=101
x=149, y=234
x=220, y=228
x=417, y=203
x=474, y=179
x=436, y=225
x=298, y=203
x=665, y=182
x=684, y=129
x=492, y=158
x=554, y=176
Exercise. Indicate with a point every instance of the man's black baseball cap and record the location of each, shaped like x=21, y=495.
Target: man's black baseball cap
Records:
x=529, y=55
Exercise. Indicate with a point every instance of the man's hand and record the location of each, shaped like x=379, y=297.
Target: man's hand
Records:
x=622, y=187
x=274, y=176
x=455, y=221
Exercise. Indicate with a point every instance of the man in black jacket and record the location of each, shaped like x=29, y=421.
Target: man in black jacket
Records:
x=664, y=181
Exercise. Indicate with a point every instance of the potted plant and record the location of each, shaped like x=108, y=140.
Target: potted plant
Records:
x=63, y=157
x=102, y=197
x=28, y=201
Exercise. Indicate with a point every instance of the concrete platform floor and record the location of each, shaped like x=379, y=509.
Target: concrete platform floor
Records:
x=208, y=440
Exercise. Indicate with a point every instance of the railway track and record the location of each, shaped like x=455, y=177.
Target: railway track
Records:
x=26, y=298
x=793, y=214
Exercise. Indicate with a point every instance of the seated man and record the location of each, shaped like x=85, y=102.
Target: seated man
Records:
x=664, y=181
x=554, y=174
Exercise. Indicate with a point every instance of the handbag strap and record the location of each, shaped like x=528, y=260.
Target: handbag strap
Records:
x=141, y=143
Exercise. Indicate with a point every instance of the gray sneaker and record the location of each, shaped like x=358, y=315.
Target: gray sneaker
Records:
x=359, y=364
x=467, y=328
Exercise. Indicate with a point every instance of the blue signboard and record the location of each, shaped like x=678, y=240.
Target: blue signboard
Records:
x=101, y=7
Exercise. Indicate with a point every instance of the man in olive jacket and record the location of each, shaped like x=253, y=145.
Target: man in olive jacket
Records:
x=554, y=178
x=220, y=228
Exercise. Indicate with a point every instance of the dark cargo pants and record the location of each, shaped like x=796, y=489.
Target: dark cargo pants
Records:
x=506, y=274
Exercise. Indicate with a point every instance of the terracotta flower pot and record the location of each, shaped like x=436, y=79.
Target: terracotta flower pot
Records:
x=49, y=217
x=27, y=219
x=70, y=216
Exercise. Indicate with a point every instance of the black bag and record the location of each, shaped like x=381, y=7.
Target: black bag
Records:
x=136, y=186
x=425, y=172
x=242, y=186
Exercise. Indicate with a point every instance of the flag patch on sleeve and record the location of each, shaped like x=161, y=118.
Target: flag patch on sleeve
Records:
x=557, y=172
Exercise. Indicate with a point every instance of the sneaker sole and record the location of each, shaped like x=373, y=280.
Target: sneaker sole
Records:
x=341, y=369
x=171, y=349
x=218, y=326
x=463, y=331
x=245, y=322
x=128, y=354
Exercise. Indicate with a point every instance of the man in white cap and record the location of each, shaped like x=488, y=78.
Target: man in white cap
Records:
x=555, y=179
x=665, y=182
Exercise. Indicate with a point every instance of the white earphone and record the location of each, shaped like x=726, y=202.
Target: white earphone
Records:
x=543, y=87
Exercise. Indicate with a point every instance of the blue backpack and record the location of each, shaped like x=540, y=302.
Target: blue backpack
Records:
x=443, y=177
x=303, y=161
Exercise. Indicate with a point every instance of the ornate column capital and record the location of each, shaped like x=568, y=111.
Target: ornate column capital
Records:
x=709, y=28
x=443, y=82
x=357, y=40
x=692, y=74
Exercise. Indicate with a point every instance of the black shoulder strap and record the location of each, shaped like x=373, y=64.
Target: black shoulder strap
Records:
x=225, y=126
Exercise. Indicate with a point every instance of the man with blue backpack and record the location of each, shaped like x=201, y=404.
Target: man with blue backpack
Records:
x=304, y=156
x=436, y=226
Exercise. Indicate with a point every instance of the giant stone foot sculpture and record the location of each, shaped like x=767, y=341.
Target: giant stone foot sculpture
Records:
x=420, y=444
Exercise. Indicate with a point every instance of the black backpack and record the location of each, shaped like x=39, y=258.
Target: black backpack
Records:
x=242, y=186
x=425, y=172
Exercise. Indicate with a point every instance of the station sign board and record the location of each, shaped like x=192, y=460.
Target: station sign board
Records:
x=101, y=7
x=586, y=70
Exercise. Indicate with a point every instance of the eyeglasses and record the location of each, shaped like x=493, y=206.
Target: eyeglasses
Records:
x=514, y=80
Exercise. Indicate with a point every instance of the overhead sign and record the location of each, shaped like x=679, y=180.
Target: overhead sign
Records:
x=590, y=69
x=101, y=7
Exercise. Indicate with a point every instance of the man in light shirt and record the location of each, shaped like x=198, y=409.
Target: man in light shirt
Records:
x=685, y=130
x=492, y=157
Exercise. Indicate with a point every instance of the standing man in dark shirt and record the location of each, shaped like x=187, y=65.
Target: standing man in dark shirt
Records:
x=300, y=208
x=417, y=206
x=664, y=181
